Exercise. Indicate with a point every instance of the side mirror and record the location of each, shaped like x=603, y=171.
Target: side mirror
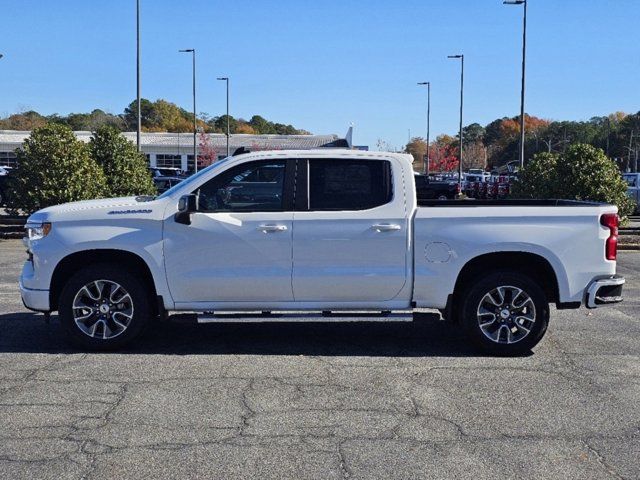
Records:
x=187, y=205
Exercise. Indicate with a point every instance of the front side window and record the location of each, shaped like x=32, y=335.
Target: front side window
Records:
x=250, y=187
x=344, y=184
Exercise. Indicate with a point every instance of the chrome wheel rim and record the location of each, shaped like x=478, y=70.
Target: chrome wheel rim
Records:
x=102, y=309
x=506, y=314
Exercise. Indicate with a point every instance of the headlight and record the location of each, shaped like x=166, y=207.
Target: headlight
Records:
x=36, y=231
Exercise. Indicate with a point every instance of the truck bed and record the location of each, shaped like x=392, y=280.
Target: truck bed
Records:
x=449, y=233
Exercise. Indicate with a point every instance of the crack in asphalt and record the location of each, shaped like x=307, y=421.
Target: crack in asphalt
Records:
x=602, y=461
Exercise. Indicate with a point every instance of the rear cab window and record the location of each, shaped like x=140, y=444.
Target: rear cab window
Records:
x=349, y=184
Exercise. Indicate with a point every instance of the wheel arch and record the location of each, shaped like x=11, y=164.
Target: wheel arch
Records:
x=73, y=262
x=531, y=264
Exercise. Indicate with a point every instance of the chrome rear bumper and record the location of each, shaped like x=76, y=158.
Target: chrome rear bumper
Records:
x=604, y=291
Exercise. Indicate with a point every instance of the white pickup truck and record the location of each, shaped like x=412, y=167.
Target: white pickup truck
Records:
x=329, y=234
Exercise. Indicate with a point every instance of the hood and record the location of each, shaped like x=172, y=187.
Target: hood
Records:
x=100, y=208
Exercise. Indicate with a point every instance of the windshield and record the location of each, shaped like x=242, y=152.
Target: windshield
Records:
x=194, y=178
x=631, y=180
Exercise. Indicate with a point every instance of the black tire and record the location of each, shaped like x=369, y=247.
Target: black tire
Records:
x=474, y=300
x=140, y=301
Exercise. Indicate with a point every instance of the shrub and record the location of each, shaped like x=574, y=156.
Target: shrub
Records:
x=581, y=173
x=124, y=167
x=53, y=167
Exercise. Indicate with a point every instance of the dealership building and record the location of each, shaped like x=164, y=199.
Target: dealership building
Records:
x=175, y=150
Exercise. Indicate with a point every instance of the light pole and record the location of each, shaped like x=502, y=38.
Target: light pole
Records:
x=195, y=119
x=461, y=57
x=524, y=58
x=226, y=79
x=139, y=122
x=428, y=84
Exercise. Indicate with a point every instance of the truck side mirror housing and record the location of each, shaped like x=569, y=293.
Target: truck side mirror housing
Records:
x=187, y=205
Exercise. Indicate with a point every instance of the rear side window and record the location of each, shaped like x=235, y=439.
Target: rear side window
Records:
x=343, y=184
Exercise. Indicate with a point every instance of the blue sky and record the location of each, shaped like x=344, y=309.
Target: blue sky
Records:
x=325, y=64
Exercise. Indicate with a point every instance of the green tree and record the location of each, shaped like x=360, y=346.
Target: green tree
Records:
x=539, y=178
x=261, y=125
x=472, y=133
x=88, y=121
x=220, y=124
x=131, y=114
x=124, y=167
x=53, y=167
x=582, y=172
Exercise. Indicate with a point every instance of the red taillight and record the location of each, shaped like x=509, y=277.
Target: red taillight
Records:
x=611, y=221
x=457, y=188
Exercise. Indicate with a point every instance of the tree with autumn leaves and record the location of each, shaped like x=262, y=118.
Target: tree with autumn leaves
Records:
x=443, y=154
x=497, y=143
x=207, y=154
x=156, y=116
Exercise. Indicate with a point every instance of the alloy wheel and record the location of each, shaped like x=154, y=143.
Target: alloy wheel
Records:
x=506, y=314
x=102, y=309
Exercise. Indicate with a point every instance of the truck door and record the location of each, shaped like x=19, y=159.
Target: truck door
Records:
x=238, y=246
x=350, y=232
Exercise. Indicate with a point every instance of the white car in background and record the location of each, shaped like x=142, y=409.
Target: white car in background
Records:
x=633, y=187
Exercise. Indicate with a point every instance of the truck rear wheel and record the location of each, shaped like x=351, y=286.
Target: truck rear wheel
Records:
x=505, y=313
x=103, y=307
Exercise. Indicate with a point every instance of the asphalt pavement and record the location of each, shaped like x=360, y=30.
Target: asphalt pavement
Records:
x=321, y=401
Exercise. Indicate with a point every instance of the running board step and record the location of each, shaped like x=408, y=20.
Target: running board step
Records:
x=293, y=317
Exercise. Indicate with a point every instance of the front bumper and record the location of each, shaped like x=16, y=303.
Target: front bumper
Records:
x=604, y=291
x=37, y=300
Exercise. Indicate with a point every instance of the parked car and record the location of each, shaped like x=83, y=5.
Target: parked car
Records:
x=633, y=188
x=165, y=183
x=166, y=172
x=427, y=188
x=4, y=176
x=471, y=182
x=343, y=232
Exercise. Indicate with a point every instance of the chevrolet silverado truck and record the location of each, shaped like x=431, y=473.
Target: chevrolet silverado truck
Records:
x=329, y=234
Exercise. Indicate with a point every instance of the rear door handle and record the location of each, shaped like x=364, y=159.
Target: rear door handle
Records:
x=272, y=228
x=386, y=227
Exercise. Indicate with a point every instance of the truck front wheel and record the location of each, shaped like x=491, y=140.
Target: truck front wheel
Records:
x=505, y=312
x=103, y=307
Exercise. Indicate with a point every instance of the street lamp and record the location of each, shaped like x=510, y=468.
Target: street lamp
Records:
x=461, y=57
x=139, y=121
x=524, y=57
x=428, y=84
x=226, y=79
x=195, y=119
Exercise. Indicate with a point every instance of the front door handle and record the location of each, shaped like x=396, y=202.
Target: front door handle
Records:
x=272, y=228
x=386, y=227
